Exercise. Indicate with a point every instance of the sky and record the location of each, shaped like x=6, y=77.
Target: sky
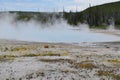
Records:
x=49, y=5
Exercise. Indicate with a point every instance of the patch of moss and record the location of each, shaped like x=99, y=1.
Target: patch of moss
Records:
x=86, y=65
x=4, y=58
x=104, y=73
x=115, y=62
x=30, y=55
x=50, y=54
x=18, y=48
x=108, y=74
x=40, y=54
x=47, y=53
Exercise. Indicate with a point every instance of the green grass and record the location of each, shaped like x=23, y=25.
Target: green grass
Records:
x=117, y=26
x=100, y=27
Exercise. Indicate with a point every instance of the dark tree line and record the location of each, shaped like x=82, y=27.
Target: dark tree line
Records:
x=102, y=15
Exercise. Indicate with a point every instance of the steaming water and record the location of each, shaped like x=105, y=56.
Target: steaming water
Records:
x=59, y=32
x=52, y=34
x=111, y=28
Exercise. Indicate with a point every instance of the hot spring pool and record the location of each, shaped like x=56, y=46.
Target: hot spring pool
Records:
x=60, y=31
x=58, y=35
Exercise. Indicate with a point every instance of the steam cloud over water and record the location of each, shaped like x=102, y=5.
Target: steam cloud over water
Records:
x=60, y=31
x=29, y=30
